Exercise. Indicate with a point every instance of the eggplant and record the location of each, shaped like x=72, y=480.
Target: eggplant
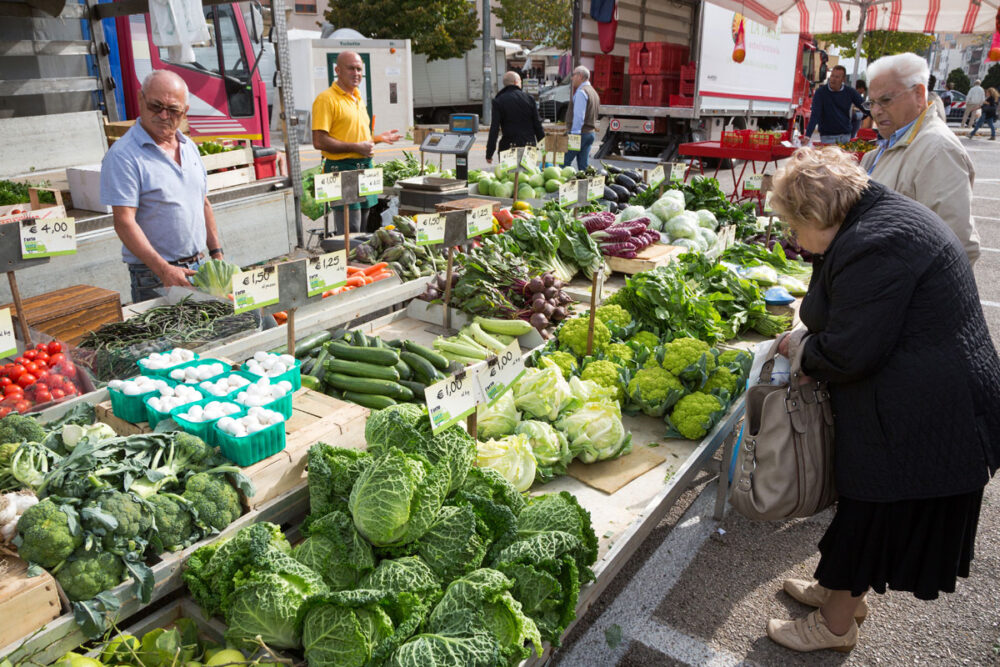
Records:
x=641, y=187
x=610, y=194
x=633, y=174
x=612, y=169
x=621, y=191
x=624, y=181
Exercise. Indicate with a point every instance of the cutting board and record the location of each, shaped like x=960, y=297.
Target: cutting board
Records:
x=646, y=259
x=609, y=476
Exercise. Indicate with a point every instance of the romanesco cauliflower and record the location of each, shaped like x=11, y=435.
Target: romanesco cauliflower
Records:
x=681, y=353
x=619, y=351
x=655, y=390
x=692, y=416
x=565, y=361
x=732, y=357
x=721, y=378
x=606, y=374
x=614, y=315
x=646, y=339
x=573, y=334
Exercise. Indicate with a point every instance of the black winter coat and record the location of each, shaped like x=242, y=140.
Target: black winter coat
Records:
x=516, y=114
x=901, y=338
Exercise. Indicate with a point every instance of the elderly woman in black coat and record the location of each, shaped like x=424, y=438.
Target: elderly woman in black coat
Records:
x=897, y=330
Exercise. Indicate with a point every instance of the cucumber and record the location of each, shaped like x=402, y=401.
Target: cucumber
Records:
x=404, y=371
x=423, y=371
x=305, y=346
x=368, y=386
x=416, y=387
x=382, y=356
x=281, y=349
x=430, y=355
x=311, y=382
x=361, y=369
x=358, y=339
x=373, y=401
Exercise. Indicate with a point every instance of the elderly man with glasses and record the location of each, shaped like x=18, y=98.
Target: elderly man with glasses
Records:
x=156, y=185
x=918, y=156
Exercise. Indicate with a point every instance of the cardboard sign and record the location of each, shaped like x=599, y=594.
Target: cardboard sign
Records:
x=452, y=400
x=655, y=176
x=326, y=187
x=8, y=342
x=48, y=237
x=255, y=289
x=529, y=158
x=595, y=188
x=568, y=193
x=326, y=272
x=753, y=182
x=430, y=228
x=508, y=158
x=496, y=378
x=677, y=172
x=370, y=182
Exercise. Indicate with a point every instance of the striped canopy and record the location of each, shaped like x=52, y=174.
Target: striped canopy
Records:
x=817, y=16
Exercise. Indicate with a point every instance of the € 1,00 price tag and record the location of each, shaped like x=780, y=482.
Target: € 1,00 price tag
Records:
x=568, y=193
x=8, y=344
x=326, y=272
x=255, y=289
x=327, y=188
x=451, y=400
x=767, y=203
x=479, y=221
x=595, y=188
x=48, y=237
x=655, y=176
x=370, y=182
x=496, y=378
x=430, y=228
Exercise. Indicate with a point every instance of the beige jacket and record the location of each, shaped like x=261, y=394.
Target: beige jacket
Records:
x=930, y=166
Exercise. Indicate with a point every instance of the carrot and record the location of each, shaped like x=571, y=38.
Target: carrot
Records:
x=380, y=275
x=375, y=268
x=354, y=270
x=356, y=281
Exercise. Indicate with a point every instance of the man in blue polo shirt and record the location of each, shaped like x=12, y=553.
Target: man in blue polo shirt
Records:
x=155, y=183
x=831, y=109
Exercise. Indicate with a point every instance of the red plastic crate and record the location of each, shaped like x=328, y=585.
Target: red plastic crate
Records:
x=689, y=72
x=681, y=101
x=760, y=139
x=687, y=88
x=656, y=57
x=612, y=80
x=652, y=90
x=611, y=96
x=606, y=63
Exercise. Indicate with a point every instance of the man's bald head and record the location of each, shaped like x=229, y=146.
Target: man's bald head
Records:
x=511, y=79
x=161, y=81
x=350, y=70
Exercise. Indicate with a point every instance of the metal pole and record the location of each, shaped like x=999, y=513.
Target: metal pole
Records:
x=289, y=119
x=488, y=58
x=577, y=31
x=858, y=40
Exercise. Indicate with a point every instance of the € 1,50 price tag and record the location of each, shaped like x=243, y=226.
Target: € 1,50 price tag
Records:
x=430, y=228
x=370, y=182
x=48, y=237
x=655, y=176
x=326, y=272
x=568, y=193
x=496, y=378
x=508, y=158
x=255, y=289
x=595, y=188
x=327, y=188
x=451, y=400
x=677, y=171
x=573, y=142
x=8, y=344
x=479, y=221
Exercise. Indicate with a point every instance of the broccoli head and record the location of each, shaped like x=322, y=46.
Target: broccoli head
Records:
x=87, y=573
x=18, y=428
x=214, y=499
x=721, y=378
x=46, y=536
x=573, y=335
x=655, y=390
x=619, y=352
x=606, y=374
x=692, y=416
x=681, y=353
x=175, y=526
x=614, y=315
x=119, y=518
x=565, y=361
x=185, y=453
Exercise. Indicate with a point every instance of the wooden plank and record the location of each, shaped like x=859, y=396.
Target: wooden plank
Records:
x=466, y=204
x=120, y=426
x=26, y=603
x=226, y=179
x=646, y=259
x=31, y=144
x=70, y=313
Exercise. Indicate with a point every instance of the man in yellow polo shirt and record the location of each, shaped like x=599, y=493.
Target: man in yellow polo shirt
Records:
x=342, y=131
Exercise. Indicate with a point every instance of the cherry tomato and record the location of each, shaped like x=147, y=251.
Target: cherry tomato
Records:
x=26, y=380
x=43, y=396
x=54, y=379
x=69, y=388
x=40, y=384
x=56, y=358
x=7, y=368
x=16, y=372
x=4, y=410
x=30, y=355
x=43, y=375
x=67, y=368
x=54, y=347
x=42, y=356
x=22, y=406
x=21, y=360
x=57, y=393
x=13, y=390
x=42, y=346
x=4, y=381
x=31, y=367
x=42, y=365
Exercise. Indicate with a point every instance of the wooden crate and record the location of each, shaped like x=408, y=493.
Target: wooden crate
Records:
x=466, y=204
x=26, y=603
x=231, y=168
x=646, y=259
x=69, y=313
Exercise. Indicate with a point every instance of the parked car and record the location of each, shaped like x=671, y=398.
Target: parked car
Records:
x=957, y=107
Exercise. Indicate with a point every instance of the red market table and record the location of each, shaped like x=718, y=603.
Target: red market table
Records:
x=699, y=150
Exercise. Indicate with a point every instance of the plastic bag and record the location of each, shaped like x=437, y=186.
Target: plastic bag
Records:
x=177, y=24
x=780, y=372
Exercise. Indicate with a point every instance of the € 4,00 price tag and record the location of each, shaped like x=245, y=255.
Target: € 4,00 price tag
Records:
x=326, y=272
x=496, y=378
x=451, y=400
x=568, y=193
x=573, y=142
x=430, y=228
x=655, y=176
x=595, y=188
x=48, y=237
x=327, y=188
x=370, y=182
x=8, y=344
x=255, y=289
x=479, y=221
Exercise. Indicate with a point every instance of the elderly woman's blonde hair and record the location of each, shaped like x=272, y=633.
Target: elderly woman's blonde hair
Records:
x=818, y=186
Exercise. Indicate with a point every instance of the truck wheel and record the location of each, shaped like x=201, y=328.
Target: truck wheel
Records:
x=441, y=116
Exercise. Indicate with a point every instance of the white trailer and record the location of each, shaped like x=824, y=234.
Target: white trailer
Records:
x=444, y=87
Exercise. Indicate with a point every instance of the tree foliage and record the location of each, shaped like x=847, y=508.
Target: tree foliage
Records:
x=992, y=78
x=959, y=80
x=878, y=43
x=544, y=22
x=439, y=28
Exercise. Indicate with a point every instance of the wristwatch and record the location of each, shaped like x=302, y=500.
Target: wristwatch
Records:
x=214, y=251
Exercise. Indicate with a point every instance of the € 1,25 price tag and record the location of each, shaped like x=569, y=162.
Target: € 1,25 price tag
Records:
x=370, y=182
x=326, y=272
x=496, y=378
x=255, y=289
x=655, y=176
x=595, y=188
x=327, y=188
x=451, y=400
x=8, y=344
x=48, y=237
x=479, y=221
x=573, y=142
x=568, y=193
x=430, y=228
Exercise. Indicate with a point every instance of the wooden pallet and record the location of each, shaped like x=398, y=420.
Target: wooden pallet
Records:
x=646, y=259
x=26, y=603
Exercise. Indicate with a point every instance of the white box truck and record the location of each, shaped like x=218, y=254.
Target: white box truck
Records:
x=444, y=87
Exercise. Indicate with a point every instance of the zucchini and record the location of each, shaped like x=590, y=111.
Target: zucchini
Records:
x=416, y=387
x=404, y=371
x=307, y=366
x=376, y=341
x=281, y=349
x=369, y=386
x=423, y=371
x=320, y=361
x=373, y=401
x=395, y=342
x=358, y=339
x=382, y=356
x=430, y=355
x=311, y=382
x=308, y=343
x=361, y=369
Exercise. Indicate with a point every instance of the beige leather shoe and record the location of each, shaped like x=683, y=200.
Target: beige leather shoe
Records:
x=808, y=591
x=811, y=634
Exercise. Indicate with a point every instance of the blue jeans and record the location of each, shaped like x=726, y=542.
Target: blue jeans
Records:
x=834, y=138
x=581, y=156
x=146, y=285
x=988, y=121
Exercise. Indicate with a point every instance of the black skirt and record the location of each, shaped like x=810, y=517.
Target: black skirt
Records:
x=920, y=546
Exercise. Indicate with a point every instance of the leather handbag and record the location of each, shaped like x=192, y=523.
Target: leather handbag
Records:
x=786, y=458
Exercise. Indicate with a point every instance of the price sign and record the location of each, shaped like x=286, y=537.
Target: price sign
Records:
x=370, y=182
x=327, y=188
x=430, y=228
x=767, y=203
x=508, y=158
x=48, y=237
x=753, y=182
x=496, y=379
x=451, y=400
x=568, y=193
x=595, y=188
x=326, y=272
x=677, y=171
x=573, y=142
x=479, y=221
x=655, y=176
x=255, y=289
x=8, y=345
x=529, y=158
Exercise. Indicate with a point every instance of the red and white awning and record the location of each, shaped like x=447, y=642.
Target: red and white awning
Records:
x=816, y=16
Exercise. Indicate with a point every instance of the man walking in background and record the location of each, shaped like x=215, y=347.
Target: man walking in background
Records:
x=581, y=116
x=831, y=109
x=973, y=101
x=515, y=115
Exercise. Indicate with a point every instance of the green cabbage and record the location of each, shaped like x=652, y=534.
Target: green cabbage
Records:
x=706, y=219
x=512, y=457
x=336, y=551
x=543, y=393
x=596, y=432
x=550, y=446
x=667, y=206
x=631, y=213
x=497, y=420
x=215, y=277
x=588, y=391
x=684, y=225
x=707, y=236
x=453, y=545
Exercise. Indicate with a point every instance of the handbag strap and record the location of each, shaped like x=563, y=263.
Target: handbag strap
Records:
x=768, y=366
